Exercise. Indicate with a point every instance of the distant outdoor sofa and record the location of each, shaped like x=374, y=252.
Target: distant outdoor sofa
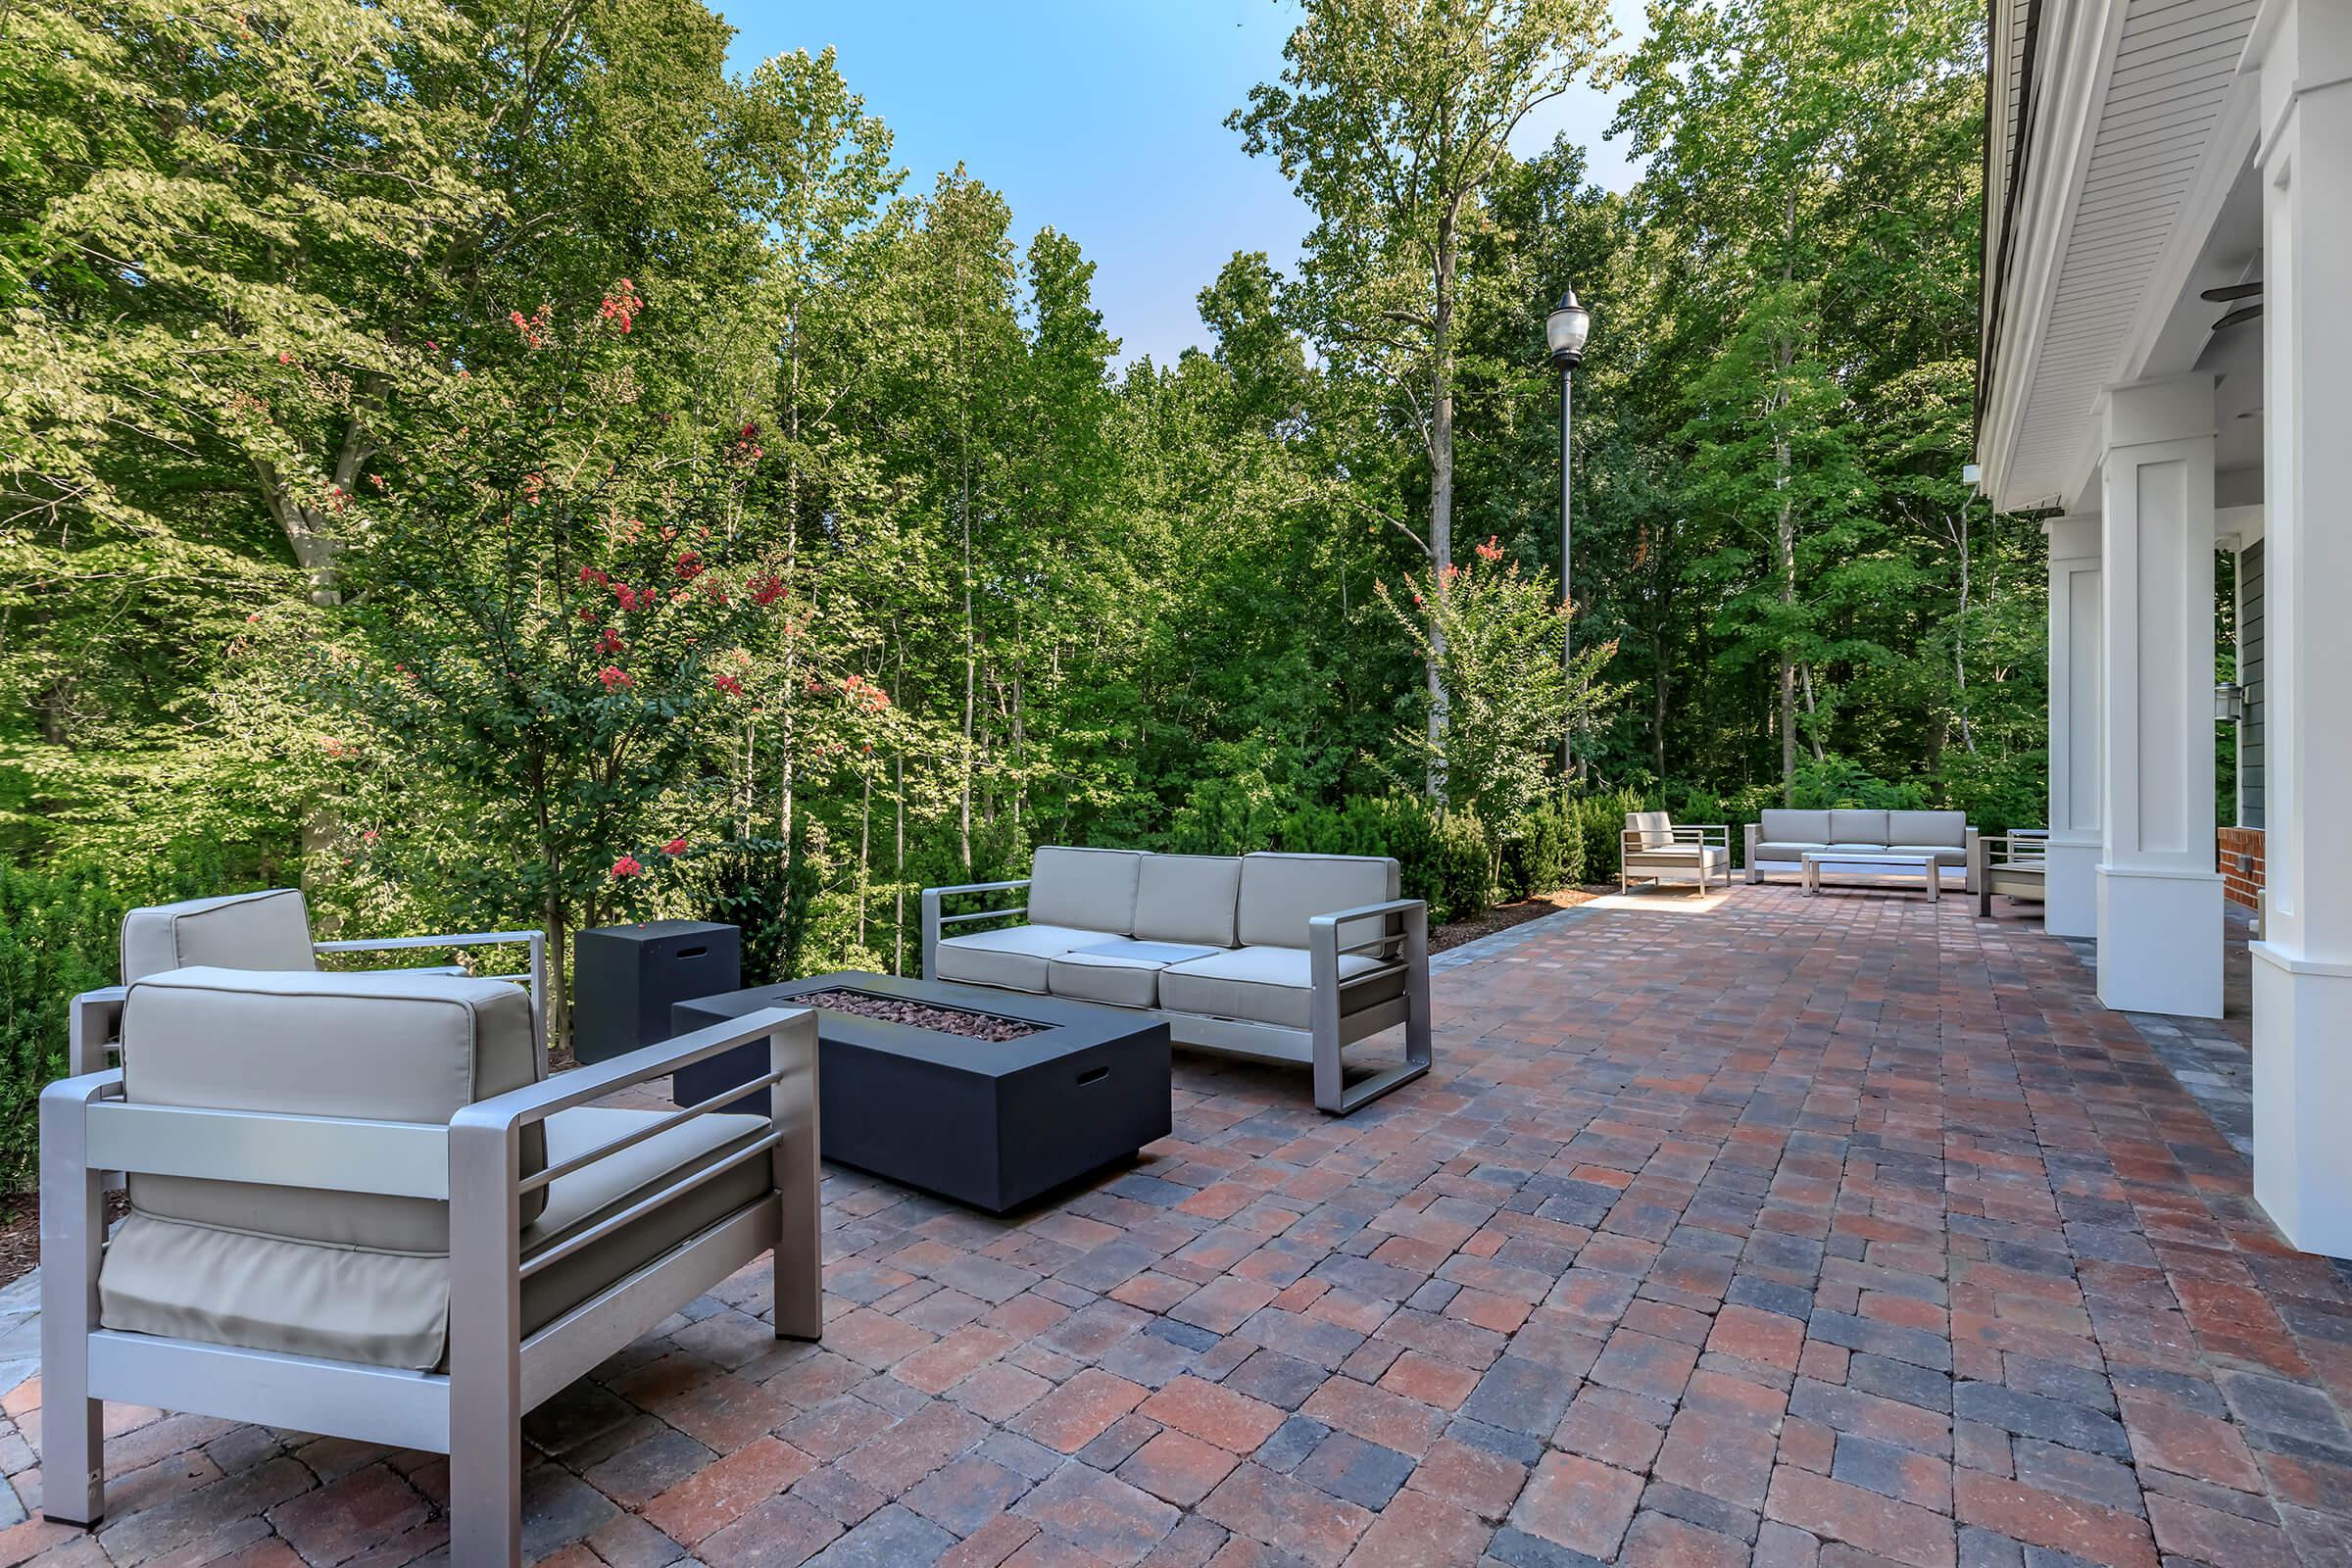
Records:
x=1283, y=957
x=361, y=1208
x=1783, y=838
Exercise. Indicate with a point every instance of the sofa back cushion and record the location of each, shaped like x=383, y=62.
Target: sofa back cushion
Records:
x=1281, y=893
x=1188, y=898
x=266, y=930
x=1657, y=828
x=1927, y=829
x=1092, y=890
x=383, y=1047
x=1782, y=826
x=1850, y=826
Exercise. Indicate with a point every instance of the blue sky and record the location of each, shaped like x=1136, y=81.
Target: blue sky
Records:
x=1105, y=119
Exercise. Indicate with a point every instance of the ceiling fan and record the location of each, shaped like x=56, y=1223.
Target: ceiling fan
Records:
x=2235, y=291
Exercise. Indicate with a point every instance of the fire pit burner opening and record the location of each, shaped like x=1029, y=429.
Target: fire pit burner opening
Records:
x=960, y=1021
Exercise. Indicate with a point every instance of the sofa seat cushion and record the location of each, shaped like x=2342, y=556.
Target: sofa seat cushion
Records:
x=1266, y=985
x=596, y=1192
x=1790, y=850
x=1120, y=973
x=1945, y=853
x=1854, y=846
x=1014, y=958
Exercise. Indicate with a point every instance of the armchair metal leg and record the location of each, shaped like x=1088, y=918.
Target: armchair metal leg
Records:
x=799, y=1256
x=72, y=1237
x=1334, y=1095
x=485, y=1350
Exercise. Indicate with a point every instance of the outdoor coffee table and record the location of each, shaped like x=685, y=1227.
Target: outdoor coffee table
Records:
x=992, y=1123
x=1924, y=864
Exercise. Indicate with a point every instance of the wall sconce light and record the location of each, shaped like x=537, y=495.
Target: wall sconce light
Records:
x=2229, y=704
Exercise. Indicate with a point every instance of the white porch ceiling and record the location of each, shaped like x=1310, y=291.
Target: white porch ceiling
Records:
x=2131, y=116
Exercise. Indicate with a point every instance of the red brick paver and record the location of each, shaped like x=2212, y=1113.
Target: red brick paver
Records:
x=1808, y=1231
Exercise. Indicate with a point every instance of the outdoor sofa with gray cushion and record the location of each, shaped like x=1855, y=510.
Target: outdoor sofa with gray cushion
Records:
x=267, y=929
x=1652, y=849
x=1781, y=840
x=1284, y=958
x=360, y=1208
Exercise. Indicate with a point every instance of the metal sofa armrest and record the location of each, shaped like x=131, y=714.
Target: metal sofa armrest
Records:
x=93, y=1028
x=1333, y=1094
x=934, y=919
x=1323, y=933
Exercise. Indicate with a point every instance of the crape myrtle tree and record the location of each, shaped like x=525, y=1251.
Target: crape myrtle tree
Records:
x=551, y=601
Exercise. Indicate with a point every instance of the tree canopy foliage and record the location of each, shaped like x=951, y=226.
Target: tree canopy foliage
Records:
x=489, y=459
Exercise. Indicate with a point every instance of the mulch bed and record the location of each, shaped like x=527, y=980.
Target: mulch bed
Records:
x=1503, y=917
x=920, y=1016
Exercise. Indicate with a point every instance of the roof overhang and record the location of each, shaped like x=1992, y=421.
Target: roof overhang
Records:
x=2116, y=132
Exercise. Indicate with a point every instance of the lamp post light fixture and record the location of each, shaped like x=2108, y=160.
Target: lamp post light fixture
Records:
x=1565, y=330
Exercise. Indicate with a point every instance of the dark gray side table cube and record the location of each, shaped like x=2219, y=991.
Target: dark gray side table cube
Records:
x=989, y=1124
x=625, y=979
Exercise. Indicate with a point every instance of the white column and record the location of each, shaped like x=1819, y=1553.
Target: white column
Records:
x=2159, y=895
x=2071, y=883
x=2303, y=966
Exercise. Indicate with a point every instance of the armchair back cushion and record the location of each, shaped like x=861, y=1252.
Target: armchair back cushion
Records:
x=1188, y=899
x=349, y=1275
x=1281, y=893
x=266, y=930
x=1927, y=830
x=1092, y=890
x=1855, y=826
x=1780, y=824
x=1657, y=828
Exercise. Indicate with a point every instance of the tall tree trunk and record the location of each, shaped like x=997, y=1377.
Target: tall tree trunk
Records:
x=1440, y=494
x=971, y=657
x=1659, y=681
x=790, y=702
x=865, y=837
x=1785, y=565
x=1804, y=672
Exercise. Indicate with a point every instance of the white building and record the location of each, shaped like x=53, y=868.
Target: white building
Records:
x=2147, y=161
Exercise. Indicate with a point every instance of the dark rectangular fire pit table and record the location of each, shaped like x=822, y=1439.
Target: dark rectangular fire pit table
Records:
x=989, y=1124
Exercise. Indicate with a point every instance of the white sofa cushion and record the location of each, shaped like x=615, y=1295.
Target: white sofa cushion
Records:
x=1850, y=826
x=1014, y=957
x=1121, y=972
x=1945, y=854
x=266, y=930
x=1281, y=893
x=1941, y=830
x=1092, y=890
x=1265, y=985
x=1779, y=824
x=1790, y=852
x=1188, y=898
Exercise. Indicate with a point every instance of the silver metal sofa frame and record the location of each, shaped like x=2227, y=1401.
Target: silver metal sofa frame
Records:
x=472, y=1411
x=95, y=1017
x=1332, y=1024
x=1705, y=836
x=1755, y=868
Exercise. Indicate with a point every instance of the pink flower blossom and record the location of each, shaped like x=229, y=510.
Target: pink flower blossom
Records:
x=674, y=847
x=727, y=684
x=1490, y=552
x=626, y=866
x=615, y=677
x=766, y=588
x=611, y=642
x=625, y=594
x=589, y=575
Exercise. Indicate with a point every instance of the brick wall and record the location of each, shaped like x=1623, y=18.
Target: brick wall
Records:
x=2240, y=847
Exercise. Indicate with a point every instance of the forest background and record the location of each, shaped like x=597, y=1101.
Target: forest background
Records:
x=494, y=466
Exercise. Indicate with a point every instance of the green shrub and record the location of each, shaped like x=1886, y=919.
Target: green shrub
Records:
x=60, y=935
x=1540, y=852
x=1598, y=818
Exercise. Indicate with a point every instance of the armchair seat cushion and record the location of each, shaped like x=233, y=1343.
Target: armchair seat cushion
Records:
x=1676, y=855
x=589, y=1196
x=1120, y=973
x=390, y=1308
x=1014, y=958
x=1267, y=985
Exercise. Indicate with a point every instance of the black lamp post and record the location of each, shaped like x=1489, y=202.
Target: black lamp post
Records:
x=1566, y=330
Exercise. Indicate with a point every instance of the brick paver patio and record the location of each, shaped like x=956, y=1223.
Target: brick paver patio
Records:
x=1838, y=1232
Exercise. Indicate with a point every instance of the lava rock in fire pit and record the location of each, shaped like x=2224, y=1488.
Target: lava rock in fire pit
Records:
x=919, y=1015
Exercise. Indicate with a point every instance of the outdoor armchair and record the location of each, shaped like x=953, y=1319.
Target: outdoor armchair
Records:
x=357, y=1208
x=2012, y=865
x=1654, y=848
x=267, y=929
